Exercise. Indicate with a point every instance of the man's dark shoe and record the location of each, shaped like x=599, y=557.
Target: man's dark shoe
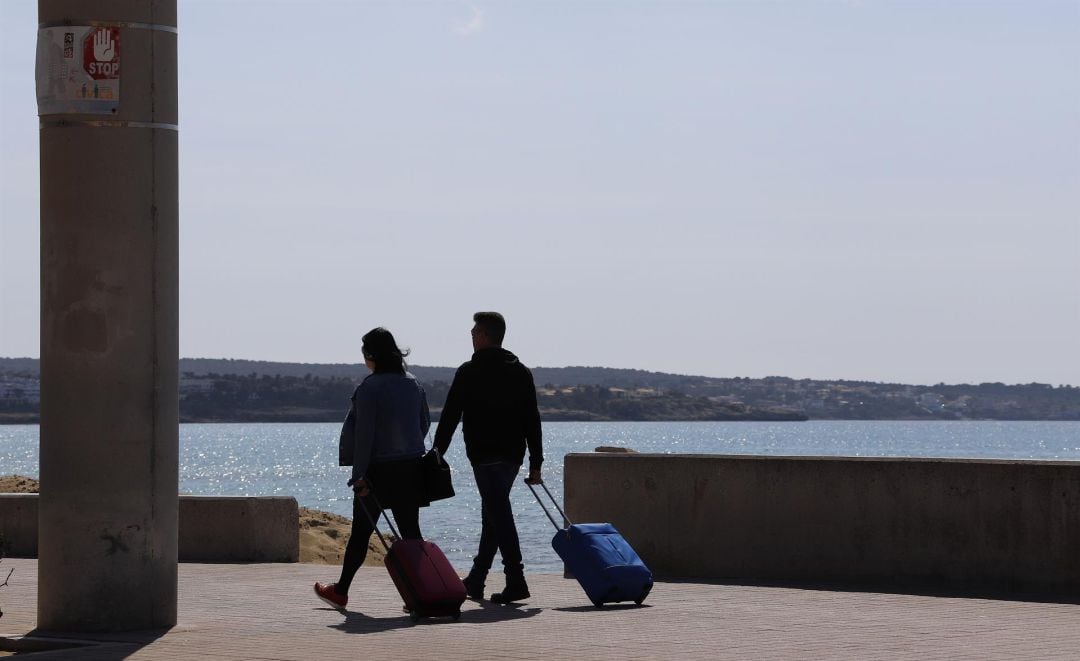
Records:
x=512, y=592
x=474, y=589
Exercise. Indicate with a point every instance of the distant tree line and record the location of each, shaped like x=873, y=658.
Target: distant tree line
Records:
x=253, y=397
x=216, y=397
x=309, y=393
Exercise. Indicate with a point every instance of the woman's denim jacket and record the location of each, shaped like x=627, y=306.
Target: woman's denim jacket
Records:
x=388, y=420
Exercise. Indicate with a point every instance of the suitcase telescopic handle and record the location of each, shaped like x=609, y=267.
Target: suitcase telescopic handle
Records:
x=374, y=523
x=553, y=502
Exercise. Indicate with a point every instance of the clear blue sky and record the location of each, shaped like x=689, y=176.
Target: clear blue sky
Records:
x=828, y=189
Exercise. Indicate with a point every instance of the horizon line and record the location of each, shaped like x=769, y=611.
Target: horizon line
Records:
x=631, y=369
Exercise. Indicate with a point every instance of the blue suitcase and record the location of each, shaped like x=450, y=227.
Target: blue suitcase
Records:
x=600, y=559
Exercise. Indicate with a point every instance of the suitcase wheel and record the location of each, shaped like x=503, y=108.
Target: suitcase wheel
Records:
x=598, y=604
x=457, y=616
x=414, y=616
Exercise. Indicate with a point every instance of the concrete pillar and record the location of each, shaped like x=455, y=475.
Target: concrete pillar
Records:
x=107, y=100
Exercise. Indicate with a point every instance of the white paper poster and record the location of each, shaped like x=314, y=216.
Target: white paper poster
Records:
x=78, y=70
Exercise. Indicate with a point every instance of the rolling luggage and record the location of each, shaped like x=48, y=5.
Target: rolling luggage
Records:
x=426, y=580
x=600, y=559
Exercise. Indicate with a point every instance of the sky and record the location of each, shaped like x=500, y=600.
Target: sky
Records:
x=831, y=189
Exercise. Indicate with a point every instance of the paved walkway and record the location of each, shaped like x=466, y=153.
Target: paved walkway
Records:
x=268, y=611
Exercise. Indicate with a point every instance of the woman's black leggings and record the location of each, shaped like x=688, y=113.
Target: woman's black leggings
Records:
x=406, y=518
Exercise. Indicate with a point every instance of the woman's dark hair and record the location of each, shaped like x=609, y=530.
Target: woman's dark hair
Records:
x=379, y=347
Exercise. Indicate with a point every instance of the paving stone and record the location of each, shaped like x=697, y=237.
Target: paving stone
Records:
x=269, y=612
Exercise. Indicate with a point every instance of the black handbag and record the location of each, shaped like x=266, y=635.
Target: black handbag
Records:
x=437, y=482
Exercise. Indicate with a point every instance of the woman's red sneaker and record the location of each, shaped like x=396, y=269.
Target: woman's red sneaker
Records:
x=330, y=596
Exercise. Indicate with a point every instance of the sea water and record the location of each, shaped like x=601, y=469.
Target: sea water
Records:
x=300, y=460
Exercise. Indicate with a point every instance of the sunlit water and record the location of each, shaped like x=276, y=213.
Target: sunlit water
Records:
x=300, y=460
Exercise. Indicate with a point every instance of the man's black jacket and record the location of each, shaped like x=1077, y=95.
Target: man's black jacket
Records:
x=494, y=397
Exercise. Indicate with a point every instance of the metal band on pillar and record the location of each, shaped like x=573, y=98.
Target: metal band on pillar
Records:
x=109, y=24
x=104, y=124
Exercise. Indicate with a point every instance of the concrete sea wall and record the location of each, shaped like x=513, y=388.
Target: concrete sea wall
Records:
x=922, y=523
x=211, y=528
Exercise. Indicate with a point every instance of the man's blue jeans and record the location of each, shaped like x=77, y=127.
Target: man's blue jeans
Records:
x=498, y=531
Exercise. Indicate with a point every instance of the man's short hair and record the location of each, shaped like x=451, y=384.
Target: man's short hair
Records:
x=493, y=325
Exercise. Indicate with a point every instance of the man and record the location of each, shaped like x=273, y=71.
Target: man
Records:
x=494, y=396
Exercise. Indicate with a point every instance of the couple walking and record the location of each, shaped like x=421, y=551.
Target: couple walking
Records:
x=494, y=397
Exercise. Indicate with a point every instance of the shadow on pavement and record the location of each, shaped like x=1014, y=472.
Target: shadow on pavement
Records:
x=491, y=612
x=607, y=607
x=359, y=623
x=43, y=644
x=356, y=622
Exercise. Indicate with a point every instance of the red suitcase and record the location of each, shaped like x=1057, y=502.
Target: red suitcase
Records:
x=423, y=576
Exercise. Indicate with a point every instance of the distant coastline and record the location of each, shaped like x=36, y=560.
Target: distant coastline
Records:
x=222, y=390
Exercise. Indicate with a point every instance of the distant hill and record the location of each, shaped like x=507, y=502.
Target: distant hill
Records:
x=27, y=365
x=586, y=376
x=225, y=390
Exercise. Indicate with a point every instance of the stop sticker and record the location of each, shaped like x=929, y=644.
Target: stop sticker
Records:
x=101, y=53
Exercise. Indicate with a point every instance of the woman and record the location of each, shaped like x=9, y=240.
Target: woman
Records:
x=383, y=439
